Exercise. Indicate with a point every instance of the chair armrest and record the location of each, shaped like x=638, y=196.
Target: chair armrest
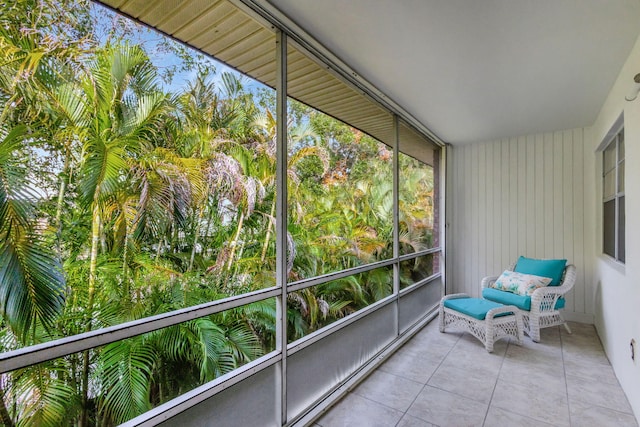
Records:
x=545, y=299
x=549, y=290
x=488, y=281
x=454, y=296
x=504, y=309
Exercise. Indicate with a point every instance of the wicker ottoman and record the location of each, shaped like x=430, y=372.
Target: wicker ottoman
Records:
x=486, y=320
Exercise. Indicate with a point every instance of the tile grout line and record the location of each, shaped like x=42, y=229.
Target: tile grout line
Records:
x=495, y=386
x=564, y=370
x=427, y=382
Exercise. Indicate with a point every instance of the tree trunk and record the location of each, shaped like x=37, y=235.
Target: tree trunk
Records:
x=125, y=270
x=161, y=244
x=196, y=232
x=64, y=179
x=93, y=266
x=205, y=248
x=234, y=242
x=4, y=412
x=268, y=236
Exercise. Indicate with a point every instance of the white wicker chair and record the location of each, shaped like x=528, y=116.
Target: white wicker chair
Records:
x=543, y=301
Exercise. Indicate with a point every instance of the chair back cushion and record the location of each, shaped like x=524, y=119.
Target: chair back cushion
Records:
x=552, y=268
x=519, y=283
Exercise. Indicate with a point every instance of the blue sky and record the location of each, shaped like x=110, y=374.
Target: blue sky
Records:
x=152, y=41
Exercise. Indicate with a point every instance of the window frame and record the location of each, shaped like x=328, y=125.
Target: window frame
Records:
x=618, y=195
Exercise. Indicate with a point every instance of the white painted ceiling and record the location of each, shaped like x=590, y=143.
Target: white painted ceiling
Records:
x=478, y=70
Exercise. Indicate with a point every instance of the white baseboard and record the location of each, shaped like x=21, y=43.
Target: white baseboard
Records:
x=578, y=317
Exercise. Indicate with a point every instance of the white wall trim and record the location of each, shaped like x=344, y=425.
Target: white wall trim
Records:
x=578, y=317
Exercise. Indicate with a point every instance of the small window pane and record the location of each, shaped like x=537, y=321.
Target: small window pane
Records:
x=621, y=227
x=609, y=189
x=416, y=205
x=609, y=227
x=621, y=177
x=317, y=306
x=621, y=145
x=609, y=158
x=414, y=270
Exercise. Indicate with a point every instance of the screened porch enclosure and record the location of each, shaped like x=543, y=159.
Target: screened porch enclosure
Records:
x=258, y=210
x=207, y=217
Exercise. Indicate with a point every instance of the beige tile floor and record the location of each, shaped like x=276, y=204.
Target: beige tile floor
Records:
x=450, y=380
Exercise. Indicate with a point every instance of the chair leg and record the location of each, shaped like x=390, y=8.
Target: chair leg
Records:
x=566, y=326
x=534, y=329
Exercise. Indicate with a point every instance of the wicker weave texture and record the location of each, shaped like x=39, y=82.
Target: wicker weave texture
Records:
x=543, y=301
x=489, y=330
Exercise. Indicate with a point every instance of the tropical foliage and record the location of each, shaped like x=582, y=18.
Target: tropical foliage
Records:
x=125, y=193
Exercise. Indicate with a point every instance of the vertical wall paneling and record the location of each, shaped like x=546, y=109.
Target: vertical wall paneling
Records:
x=530, y=195
x=547, y=164
x=539, y=194
x=468, y=228
x=482, y=213
x=591, y=210
x=567, y=207
x=504, y=205
x=520, y=196
x=578, y=217
x=487, y=246
x=558, y=199
x=498, y=193
x=512, y=177
x=474, y=226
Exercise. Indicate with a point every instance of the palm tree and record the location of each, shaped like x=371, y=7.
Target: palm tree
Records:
x=116, y=110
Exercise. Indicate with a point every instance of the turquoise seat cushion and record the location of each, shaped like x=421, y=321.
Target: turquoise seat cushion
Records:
x=508, y=298
x=552, y=268
x=523, y=302
x=474, y=307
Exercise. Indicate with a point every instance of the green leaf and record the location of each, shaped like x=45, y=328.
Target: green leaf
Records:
x=125, y=374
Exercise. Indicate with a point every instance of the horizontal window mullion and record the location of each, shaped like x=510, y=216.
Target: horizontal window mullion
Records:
x=319, y=280
x=413, y=255
x=337, y=325
x=420, y=283
x=32, y=355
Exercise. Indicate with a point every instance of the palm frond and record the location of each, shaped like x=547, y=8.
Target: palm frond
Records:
x=31, y=281
x=45, y=399
x=215, y=357
x=32, y=284
x=125, y=375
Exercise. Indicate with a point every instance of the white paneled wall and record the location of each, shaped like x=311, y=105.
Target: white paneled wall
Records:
x=521, y=196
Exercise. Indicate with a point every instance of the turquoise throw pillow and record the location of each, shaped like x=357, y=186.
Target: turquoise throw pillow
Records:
x=552, y=268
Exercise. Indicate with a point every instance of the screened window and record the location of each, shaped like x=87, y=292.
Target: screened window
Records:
x=613, y=208
x=168, y=221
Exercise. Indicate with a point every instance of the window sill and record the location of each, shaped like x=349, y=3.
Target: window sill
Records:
x=620, y=267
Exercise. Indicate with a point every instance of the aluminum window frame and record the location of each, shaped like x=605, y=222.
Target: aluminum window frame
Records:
x=285, y=30
x=618, y=250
